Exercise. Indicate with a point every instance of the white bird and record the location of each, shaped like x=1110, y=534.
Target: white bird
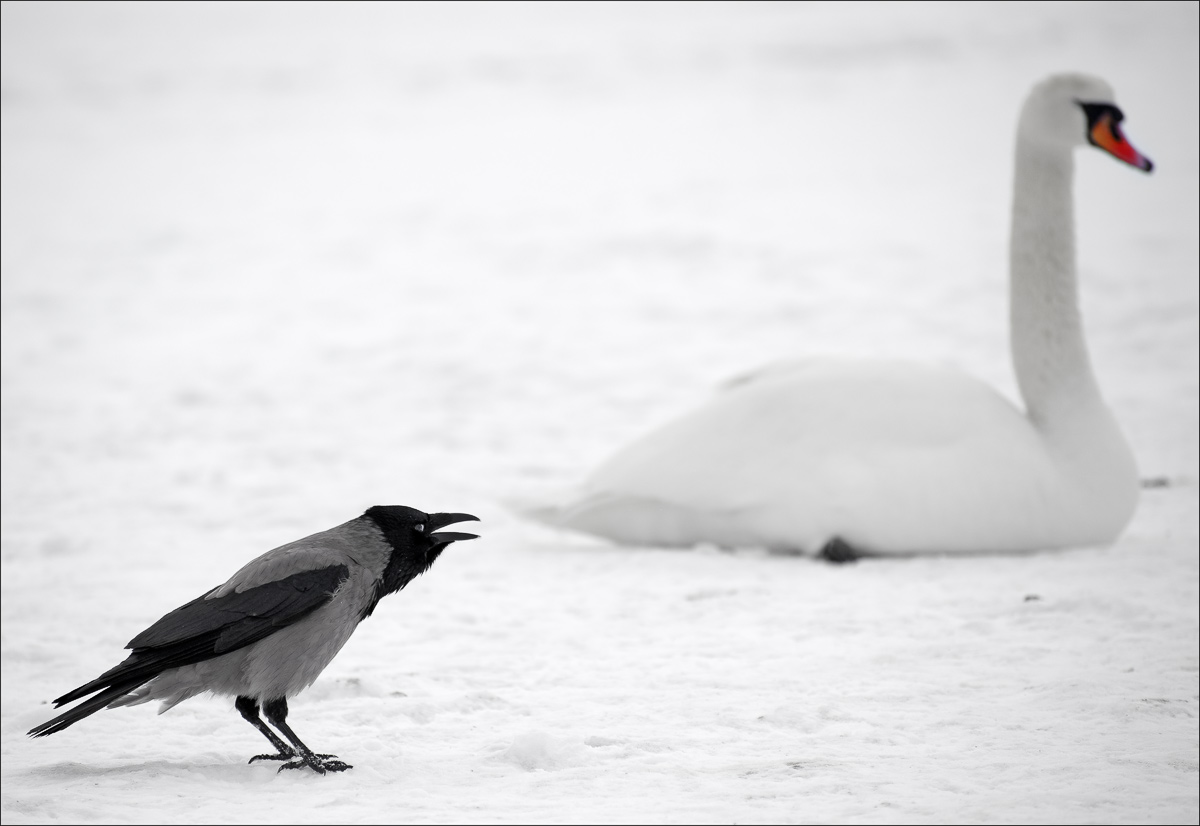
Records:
x=845, y=459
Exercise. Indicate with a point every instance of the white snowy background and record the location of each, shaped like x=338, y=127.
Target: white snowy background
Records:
x=266, y=265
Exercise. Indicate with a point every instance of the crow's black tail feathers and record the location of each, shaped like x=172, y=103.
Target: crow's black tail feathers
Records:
x=102, y=682
x=139, y=668
x=201, y=630
x=134, y=668
x=84, y=709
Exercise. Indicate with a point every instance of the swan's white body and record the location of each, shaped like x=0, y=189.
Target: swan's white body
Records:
x=892, y=457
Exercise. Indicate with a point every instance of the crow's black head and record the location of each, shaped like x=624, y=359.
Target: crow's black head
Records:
x=415, y=545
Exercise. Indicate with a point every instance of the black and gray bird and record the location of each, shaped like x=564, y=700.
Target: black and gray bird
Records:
x=267, y=633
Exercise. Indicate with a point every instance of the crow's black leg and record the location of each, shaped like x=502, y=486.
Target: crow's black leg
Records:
x=276, y=711
x=248, y=708
x=839, y=551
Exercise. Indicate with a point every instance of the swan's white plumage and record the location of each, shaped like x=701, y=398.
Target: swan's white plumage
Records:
x=893, y=457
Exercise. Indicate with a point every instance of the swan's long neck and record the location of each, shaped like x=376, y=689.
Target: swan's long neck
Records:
x=1049, y=354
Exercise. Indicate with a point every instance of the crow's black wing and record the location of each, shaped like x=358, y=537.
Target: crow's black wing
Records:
x=206, y=628
x=238, y=619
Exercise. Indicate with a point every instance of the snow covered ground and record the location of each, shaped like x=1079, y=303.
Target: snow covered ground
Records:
x=267, y=265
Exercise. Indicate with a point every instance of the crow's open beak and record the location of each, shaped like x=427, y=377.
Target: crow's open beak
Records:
x=441, y=520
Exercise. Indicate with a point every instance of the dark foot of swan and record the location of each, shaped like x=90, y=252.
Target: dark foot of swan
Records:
x=838, y=551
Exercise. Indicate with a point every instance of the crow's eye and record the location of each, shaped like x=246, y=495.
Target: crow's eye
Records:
x=420, y=526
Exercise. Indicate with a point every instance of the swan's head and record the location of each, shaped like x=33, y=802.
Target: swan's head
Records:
x=1069, y=110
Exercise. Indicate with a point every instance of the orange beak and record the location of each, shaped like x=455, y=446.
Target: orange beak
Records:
x=1106, y=133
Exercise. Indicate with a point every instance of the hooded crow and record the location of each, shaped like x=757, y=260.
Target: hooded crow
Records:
x=267, y=633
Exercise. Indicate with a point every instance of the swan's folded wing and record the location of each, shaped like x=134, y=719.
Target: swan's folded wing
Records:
x=767, y=371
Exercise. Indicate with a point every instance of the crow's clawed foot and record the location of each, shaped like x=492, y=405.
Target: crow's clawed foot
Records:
x=321, y=764
x=287, y=755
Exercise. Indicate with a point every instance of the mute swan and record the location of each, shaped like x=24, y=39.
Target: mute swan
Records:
x=846, y=459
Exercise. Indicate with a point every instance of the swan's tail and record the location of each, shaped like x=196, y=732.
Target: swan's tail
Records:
x=632, y=520
x=549, y=507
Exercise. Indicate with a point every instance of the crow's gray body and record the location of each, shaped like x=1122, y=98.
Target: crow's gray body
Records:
x=291, y=659
x=269, y=631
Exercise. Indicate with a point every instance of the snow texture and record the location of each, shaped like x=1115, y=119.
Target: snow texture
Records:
x=266, y=265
